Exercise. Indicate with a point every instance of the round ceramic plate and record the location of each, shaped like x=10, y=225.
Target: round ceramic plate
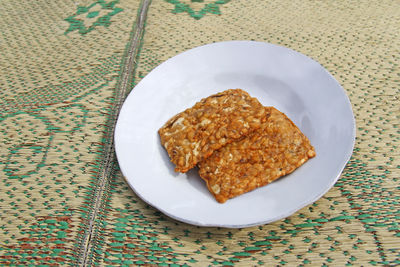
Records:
x=277, y=76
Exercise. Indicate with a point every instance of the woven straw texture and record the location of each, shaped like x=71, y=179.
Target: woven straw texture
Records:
x=65, y=68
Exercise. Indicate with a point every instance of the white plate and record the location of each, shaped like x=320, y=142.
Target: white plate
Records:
x=277, y=76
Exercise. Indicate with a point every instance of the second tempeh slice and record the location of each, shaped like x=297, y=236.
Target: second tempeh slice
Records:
x=194, y=134
x=274, y=150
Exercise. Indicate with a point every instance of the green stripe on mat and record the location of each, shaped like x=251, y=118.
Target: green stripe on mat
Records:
x=106, y=169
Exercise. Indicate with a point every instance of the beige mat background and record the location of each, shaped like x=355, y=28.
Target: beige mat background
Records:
x=57, y=88
x=60, y=83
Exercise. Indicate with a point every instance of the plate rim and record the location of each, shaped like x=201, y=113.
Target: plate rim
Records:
x=345, y=159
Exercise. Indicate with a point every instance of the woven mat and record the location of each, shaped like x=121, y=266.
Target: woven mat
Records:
x=65, y=69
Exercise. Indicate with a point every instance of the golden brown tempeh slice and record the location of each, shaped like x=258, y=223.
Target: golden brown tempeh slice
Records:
x=274, y=150
x=194, y=134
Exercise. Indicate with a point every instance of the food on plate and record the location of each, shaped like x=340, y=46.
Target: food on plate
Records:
x=238, y=144
x=194, y=134
x=274, y=150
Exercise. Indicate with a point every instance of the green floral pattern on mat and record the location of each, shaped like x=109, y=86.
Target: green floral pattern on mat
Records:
x=87, y=18
x=212, y=8
x=55, y=110
x=46, y=244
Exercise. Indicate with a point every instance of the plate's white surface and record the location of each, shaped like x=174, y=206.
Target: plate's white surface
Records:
x=277, y=76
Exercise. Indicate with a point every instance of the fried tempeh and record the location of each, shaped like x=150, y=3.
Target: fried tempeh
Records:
x=194, y=134
x=274, y=150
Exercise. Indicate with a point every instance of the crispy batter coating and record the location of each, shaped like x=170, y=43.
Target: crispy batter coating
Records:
x=194, y=134
x=274, y=150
